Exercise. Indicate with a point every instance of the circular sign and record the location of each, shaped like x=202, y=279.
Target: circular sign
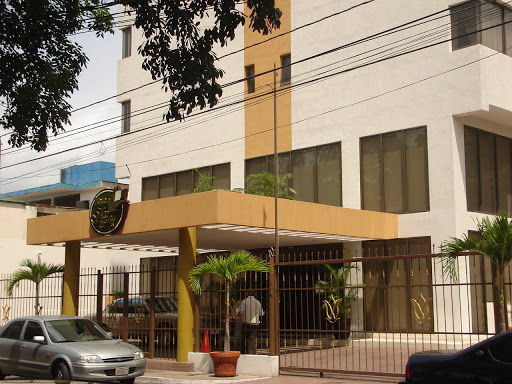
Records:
x=107, y=213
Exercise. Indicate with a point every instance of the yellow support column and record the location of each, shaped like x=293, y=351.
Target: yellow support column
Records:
x=186, y=261
x=71, y=278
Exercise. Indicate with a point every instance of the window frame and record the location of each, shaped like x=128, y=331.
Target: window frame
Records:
x=405, y=190
x=126, y=42
x=495, y=191
x=478, y=24
x=286, y=69
x=192, y=175
x=269, y=167
x=250, y=78
x=126, y=111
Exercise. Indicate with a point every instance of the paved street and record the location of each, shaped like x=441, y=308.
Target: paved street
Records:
x=171, y=377
x=154, y=376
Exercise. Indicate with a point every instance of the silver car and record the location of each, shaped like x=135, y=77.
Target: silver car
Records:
x=66, y=348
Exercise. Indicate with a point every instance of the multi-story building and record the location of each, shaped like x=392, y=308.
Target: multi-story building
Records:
x=396, y=106
x=393, y=119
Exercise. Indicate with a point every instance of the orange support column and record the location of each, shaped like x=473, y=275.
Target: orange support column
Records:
x=186, y=261
x=71, y=278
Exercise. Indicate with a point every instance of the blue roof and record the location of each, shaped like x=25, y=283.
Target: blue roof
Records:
x=77, y=177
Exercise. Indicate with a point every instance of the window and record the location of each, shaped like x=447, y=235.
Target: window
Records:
x=67, y=201
x=182, y=183
x=488, y=170
x=13, y=331
x=316, y=172
x=33, y=329
x=250, y=79
x=391, y=285
x=394, y=172
x=286, y=70
x=127, y=42
x=478, y=22
x=126, y=110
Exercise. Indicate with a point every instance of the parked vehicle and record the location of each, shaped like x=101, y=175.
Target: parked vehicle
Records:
x=166, y=318
x=66, y=348
x=489, y=361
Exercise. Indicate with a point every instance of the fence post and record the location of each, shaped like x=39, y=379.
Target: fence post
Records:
x=126, y=281
x=152, y=290
x=99, y=298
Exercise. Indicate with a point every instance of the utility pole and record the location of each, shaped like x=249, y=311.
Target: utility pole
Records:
x=273, y=281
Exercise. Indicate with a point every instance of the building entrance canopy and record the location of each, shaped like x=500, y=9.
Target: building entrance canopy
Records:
x=209, y=221
x=224, y=221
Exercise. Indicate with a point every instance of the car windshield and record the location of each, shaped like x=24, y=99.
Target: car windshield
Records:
x=164, y=304
x=68, y=330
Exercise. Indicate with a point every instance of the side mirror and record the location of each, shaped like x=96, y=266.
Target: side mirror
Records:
x=38, y=339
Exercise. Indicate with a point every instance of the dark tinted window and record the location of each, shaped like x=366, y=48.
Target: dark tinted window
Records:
x=33, y=329
x=394, y=172
x=501, y=349
x=488, y=160
x=13, y=331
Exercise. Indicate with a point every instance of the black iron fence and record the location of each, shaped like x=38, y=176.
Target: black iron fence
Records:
x=339, y=311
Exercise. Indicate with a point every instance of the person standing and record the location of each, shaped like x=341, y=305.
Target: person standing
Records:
x=249, y=314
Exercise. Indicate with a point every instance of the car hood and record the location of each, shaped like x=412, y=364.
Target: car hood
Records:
x=102, y=348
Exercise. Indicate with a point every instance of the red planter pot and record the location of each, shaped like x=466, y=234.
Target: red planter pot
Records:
x=224, y=363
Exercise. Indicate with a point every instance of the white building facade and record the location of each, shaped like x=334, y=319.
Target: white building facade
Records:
x=398, y=106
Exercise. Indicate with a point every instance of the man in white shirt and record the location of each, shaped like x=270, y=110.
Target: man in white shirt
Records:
x=249, y=313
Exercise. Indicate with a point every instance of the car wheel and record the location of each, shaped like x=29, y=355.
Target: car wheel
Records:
x=128, y=381
x=62, y=372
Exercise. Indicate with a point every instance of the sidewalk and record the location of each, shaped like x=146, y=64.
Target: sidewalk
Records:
x=155, y=376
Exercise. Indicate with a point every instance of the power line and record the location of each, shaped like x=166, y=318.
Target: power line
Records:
x=296, y=85
x=328, y=71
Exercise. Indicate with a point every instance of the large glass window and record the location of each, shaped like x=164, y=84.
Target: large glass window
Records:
x=316, y=172
x=480, y=22
x=303, y=173
x=182, y=183
x=394, y=172
x=392, y=287
x=488, y=170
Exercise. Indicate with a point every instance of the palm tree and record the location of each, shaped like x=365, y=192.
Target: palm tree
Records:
x=496, y=245
x=35, y=272
x=227, y=268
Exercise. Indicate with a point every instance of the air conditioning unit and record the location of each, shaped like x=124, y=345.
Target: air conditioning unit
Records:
x=82, y=204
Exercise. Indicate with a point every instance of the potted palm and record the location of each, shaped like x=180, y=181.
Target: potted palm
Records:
x=227, y=268
x=338, y=295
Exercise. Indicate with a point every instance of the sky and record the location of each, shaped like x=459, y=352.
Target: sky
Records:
x=96, y=82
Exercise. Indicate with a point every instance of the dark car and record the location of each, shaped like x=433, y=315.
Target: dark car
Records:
x=66, y=348
x=489, y=362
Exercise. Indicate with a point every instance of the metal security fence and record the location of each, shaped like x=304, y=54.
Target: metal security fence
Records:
x=363, y=310
x=367, y=311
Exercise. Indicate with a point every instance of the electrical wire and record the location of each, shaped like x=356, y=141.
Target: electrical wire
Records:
x=374, y=62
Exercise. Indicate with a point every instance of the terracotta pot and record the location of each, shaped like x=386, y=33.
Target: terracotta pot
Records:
x=224, y=363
